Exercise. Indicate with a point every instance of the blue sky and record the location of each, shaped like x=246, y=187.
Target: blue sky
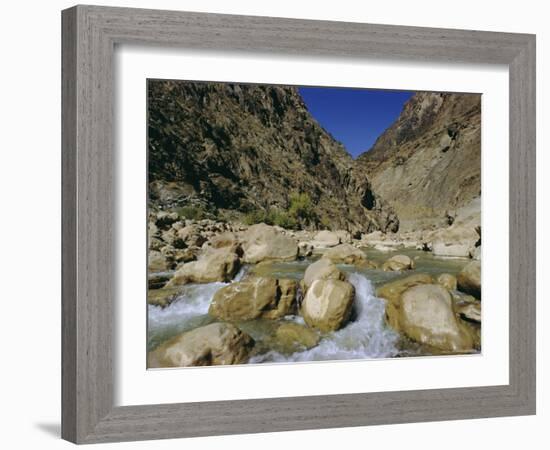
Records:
x=355, y=117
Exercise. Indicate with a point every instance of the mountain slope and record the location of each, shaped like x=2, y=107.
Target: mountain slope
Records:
x=237, y=148
x=427, y=165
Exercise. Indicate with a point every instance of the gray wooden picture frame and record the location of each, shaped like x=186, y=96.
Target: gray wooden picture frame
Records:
x=90, y=34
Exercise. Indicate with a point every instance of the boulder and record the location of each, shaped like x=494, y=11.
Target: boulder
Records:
x=295, y=336
x=322, y=269
x=157, y=262
x=346, y=254
x=427, y=317
x=327, y=304
x=225, y=239
x=447, y=280
x=397, y=263
x=262, y=242
x=469, y=279
x=162, y=297
x=325, y=239
x=165, y=219
x=213, y=265
x=266, y=298
x=305, y=249
x=214, y=344
x=345, y=236
x=454, y=241
x=469, y=311
x=391, y=293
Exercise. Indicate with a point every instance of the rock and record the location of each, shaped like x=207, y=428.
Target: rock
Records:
x=470, y=311
x=214, y=344
x=346, y=254
x=325, y=239
x=476, y=253
x=456, y=241
x=225, y=239
x=469, y=279
x=391, y=293
x=291, y=335
x=305, y=249
x=327, y=304
x=322, y=269
x=157, y=280
x=262, y=242
x=427, y=317
x=191, y=235
x=266, y=298
x=447, y=280
x=162, y=297
x=398, y=263
x=165, y=219
x=157, y=262
x=213, y=265
x=344, y=236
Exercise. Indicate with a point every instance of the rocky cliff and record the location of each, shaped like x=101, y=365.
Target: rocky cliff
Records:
x=427, y=165
x=234, y=148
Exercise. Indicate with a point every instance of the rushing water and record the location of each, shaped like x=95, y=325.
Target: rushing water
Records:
x=365, y=337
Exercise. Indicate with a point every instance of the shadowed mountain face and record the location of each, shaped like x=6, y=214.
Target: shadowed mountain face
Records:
x=427, y=165
x=233, y=148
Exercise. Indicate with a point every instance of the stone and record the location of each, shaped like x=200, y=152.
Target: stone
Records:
x=397, y=263
x=325, y=239
x=165, y=219
x=157, y=262
x=454, y=241
x=322, y=269
x=447, y=280
x=213, y=265
x=162, y=297
x=260, y=297
x=225, y=239
x=296, y=336
x=262, y=242
x=476, y=253
x=391, y=293
x=327, y=304
x=346, y=254
x=469, y=311
x=427, y=317
x=214, y=344
x=305, y=249
x=469, y=279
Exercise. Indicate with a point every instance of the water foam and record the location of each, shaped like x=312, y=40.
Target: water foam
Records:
x=365, y=338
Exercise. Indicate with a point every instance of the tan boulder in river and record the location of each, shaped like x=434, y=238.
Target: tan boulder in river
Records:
x=327, y=304
x=447, y=280
x=391, y=292
x=397, y=263
x=427, y=317
x=322, y=269
x=214, y=344
x=469, y=279
x=262, y=242
x=213, y=265
x=266, y=298
x=346, y=254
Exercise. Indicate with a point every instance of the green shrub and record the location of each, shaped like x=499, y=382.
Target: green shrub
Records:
x=192, y=212
x=302, y=208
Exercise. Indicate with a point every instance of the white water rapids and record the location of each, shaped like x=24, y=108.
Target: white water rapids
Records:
x=367, y=336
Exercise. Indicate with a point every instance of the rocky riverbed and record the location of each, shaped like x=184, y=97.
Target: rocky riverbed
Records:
x=227, y=293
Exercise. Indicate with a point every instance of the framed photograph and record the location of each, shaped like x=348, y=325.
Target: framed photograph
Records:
x=276, y=224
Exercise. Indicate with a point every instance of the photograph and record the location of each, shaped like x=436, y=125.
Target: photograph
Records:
x=292, y=224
